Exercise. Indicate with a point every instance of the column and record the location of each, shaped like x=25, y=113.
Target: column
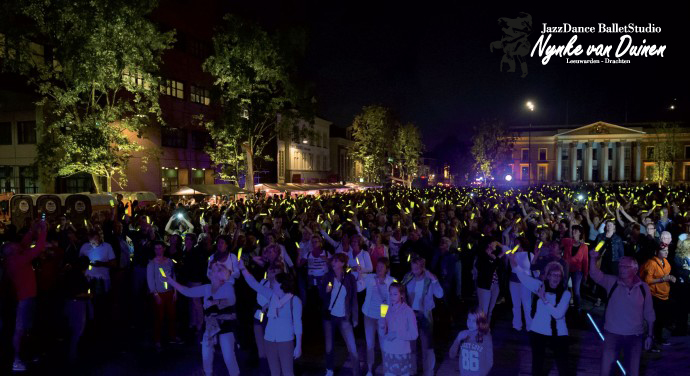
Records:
x=621, y=161
x=558, y=161
x=573, y=161
x=588, y=161
x=604, y=162
x=638, y=161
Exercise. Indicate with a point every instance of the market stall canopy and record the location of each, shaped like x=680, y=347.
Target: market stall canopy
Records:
x=209, y=189
x=363, y=185
x=294, y=187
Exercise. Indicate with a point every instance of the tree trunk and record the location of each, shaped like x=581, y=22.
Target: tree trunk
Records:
x=96, y=183
x=249, y=181
x=109, y=182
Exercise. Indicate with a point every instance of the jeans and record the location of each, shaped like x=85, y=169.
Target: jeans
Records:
x=279, y=355
x=487, y=299
x=559, y=346
x=631, y=346
x=522, y=302
x=75, y=310
x=227, y=346
x=165, y=308
x=370, y=333
x=425, y=327
x=662, y=310
x=577, y=282
x=345, y=327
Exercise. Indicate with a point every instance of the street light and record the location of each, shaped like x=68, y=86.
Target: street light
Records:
x=530, y=106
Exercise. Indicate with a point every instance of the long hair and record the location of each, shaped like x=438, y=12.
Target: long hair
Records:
x=683, y=250
x=482, y=323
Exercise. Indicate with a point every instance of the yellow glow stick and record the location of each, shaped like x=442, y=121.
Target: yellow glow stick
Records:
x=265, y=274
x=540, y=244
x=162, y=272
x=469, y=245
x=90, y=267
x=88, y=291
x=356, y=259
x=349, y=270
x=384, y=310
x=409, y=257
x=515, y=248
x=518, y=220
x=472, y=216
x=297, y=244
x=261, y=317
x=598, y=247
x=239, y=253
x=330, y=284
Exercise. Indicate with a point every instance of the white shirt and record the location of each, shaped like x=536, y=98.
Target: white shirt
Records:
x=338, y=306
x=541, y=322
x=377, y=294
x=316, y=266
x=418, y=294
x=104, y=253
x=363, y=259
x=394, y=247
x=231, y=262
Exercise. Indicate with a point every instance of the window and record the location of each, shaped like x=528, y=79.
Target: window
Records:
x=199, y=95
x=610, y=154
x=6, y=133
x=579, y=154
x=649, y=172
x=524, y=173
x=28, y=180
x=525, y=155
x=173, y=137
x=199, y=140
x=627, y=154
x=134, y=78
x=564, y=154
x=7, y=182
x=172, y=88
x=197, y=176
x=578, y=173
x=687, y=150
x=311, y=161
x=541, y=173
x=626, y=172
x=197, y=48
x=594, y=154
x=318, y=162
x=611, y=177
x=542, y=154
x=281, y=163
x=170, y=180
x=80, y=182
x=687, y=172
x=650, y=152
x=26, y=132
x=303, y=164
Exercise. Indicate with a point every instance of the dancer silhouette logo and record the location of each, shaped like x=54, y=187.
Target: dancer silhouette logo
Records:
x=514, y=42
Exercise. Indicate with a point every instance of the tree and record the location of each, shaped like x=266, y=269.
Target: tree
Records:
x=491, y=145
x=407, y=150
x=253, y=76
x=374, y=128
x=666, y=148
x=98, y=87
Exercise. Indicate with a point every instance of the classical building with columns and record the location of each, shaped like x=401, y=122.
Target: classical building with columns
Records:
x=599, y=152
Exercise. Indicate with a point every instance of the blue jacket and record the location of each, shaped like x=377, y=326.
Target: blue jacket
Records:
x=616, y=246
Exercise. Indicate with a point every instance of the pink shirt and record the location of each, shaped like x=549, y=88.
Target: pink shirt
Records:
x=401, y=320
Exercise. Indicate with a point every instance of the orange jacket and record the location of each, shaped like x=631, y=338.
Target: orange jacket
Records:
x=656, y=268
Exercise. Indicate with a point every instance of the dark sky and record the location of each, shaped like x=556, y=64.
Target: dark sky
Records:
x=430, y=62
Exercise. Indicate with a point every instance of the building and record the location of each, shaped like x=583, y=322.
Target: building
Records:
x=173, y=154
x=599, y=152
x=343, y=163
x=303, y=156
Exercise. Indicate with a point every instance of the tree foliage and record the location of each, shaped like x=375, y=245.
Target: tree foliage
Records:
x=491, y=146
x=373, y=130
x=96, y=77
x=407, y=149
x=253, y=74
x=666, y=149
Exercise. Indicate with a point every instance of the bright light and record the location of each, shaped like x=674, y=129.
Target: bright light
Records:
x=361, y=180
x=305, y=141
x=673, y=107
x=530, y=105
x=580, y=197
x=509, y=177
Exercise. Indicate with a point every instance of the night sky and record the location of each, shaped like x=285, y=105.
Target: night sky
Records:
x=431, y=63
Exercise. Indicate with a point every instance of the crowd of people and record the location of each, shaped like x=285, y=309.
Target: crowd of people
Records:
x=395, y=266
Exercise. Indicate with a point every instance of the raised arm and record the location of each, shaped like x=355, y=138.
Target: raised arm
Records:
x=252, y=282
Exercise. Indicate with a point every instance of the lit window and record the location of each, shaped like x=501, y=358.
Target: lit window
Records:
x=172, y=88
x=199, y=95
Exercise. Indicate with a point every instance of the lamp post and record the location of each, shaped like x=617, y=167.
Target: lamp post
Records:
x=530, y=107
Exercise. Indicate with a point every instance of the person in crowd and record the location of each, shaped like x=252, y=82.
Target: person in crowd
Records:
x=680, y=293
x=164, y=296
x=283, y=332
x=262, y=308
x=657, y=274
x=474, y=345
x=422, y=287
x=550, y=302
x=629, y=307
x=223, y=255
x=77, y=300
x=377, y=249
x=18, y=259
x=395, y=242
x=520, y=295
x=338, y=290
x=316, y=260
x=102, y=259
x=359, y=258
x=577, y=257
x=487, y=276
x=376, y=285
x=220, y=317
x=397, y=329
x=612, y=249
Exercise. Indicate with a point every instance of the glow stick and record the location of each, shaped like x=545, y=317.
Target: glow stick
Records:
x=261, y=317
x=330, y=284
x=598, y=247
x=540, y=244
x=356, y=259
x=384, y=310
x=239, y=254
x=265, y=274
x=515, y=248
x=162, y=272
x=409, y=257
x=297, y=244
x=621, y=367
x=595, y=326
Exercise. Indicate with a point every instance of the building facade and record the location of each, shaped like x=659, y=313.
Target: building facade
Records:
x=344, y=165
x=599, y=152
x=304, y=155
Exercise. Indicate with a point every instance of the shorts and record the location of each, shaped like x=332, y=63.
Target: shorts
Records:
x=25, y=314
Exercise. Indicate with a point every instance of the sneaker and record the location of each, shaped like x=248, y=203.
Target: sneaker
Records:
x=329, y=372
x=18, y=366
